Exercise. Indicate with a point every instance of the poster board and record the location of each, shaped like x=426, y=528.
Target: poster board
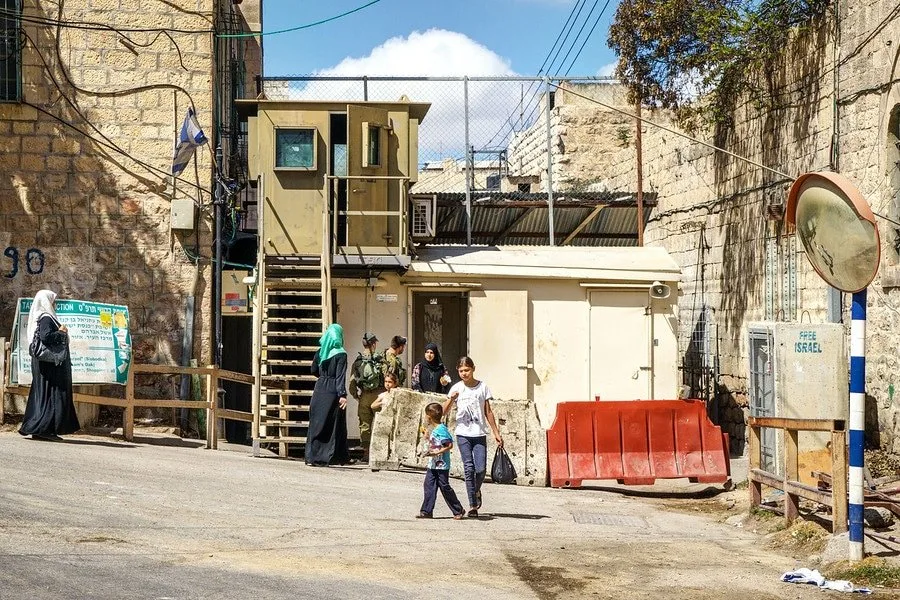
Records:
x=99, y=341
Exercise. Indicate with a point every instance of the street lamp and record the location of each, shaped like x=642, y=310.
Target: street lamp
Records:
x=838, y=230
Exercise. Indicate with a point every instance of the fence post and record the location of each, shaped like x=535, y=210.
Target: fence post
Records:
x=791, y=501
x=212, y=404
x=128, y=413
x=550, y=224
x=468, y=186
x=839, y=481
x=755, y=486
x=4, y=376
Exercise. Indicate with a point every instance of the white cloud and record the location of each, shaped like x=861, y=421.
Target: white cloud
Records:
x=607, y=70
x=432, y=53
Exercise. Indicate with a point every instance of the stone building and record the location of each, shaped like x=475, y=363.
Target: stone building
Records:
x=93, y=95
x=720, y=217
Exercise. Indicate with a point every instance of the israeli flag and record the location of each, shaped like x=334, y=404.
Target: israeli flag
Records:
x=190, y=138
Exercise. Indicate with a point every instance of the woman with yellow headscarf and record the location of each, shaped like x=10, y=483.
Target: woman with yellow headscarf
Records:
x=326, y=441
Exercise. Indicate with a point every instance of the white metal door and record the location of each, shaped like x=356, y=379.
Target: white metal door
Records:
x=620, y=345
x=499, y=340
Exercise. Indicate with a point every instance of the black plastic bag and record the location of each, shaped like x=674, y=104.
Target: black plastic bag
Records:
x=502, y=469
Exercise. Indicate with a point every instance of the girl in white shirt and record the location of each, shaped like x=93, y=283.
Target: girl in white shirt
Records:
x=473, y=416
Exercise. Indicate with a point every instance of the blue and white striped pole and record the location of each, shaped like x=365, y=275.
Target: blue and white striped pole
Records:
x=857, y=421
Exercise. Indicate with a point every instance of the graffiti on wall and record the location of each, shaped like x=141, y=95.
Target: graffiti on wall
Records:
x=33, y=261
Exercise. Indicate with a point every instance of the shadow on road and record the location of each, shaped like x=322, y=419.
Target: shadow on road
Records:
x=84, y=442
x=708, y=492
x=515, y=516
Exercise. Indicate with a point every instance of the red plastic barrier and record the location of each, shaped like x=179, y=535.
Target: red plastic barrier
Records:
x=636, y=442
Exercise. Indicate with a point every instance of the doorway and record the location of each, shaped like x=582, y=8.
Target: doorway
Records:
x=237, y=340
x=441, y=318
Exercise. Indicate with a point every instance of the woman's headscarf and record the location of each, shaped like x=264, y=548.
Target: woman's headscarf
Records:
x=430, y=372
x=332, y=342
x=43, y=305
x=435, y=364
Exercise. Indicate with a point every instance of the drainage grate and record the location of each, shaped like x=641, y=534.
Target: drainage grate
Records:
x=609, y=520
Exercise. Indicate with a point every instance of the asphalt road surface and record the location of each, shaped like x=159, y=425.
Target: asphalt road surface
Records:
x=98, y=518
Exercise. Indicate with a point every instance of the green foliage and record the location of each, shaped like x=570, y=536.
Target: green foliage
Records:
x=871, y=571
x=696, y=57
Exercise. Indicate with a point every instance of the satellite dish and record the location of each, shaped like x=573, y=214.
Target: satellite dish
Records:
x=837, y=229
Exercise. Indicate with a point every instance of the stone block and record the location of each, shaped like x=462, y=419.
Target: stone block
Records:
x=398, y=435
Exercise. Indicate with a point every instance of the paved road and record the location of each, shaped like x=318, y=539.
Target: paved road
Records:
x=101, y=519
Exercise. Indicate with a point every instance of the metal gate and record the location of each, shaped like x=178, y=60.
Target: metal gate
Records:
x=762, y=391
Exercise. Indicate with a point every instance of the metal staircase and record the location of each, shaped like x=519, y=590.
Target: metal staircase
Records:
x=294, y=308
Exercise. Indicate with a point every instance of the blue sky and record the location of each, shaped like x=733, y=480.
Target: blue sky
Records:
x=519, y=32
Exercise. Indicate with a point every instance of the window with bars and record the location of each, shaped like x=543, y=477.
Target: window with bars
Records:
x=10, y=47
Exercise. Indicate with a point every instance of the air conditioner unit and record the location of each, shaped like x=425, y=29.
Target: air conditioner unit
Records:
x=424, y=218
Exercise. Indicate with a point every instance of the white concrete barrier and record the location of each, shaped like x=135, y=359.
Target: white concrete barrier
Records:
x=398, y=433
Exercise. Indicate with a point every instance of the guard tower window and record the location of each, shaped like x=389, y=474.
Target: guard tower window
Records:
x=373, y=146
x=10, y=51
x=295, y=148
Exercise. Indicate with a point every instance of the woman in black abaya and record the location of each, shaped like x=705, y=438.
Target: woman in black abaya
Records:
x=326, y=442
x=50, y=411
x=431, y=375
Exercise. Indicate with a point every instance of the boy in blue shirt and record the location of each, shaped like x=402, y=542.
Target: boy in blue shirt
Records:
x=440, y=442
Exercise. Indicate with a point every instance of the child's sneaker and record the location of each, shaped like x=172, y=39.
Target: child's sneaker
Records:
x=424, y=515
x=473, y=513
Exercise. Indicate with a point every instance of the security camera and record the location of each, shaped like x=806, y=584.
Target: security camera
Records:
x=659, y=290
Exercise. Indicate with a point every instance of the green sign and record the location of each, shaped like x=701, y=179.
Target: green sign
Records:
x=99, y=341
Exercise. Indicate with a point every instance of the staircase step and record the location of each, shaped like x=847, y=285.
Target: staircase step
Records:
x=292, y=334
x=277, y=377
x=298, y=281
x=287, y=362
x=286, y=439
x=292, y=320
x=309, y=292
x=294, y=266
x=279, y=392
x=284, y=348
x=283, y=407
x=276, y=306
x=274, y=422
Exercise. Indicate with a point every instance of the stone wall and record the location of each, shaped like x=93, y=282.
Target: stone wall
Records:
x=84, y=196
x=714, y=212
x=585, y=138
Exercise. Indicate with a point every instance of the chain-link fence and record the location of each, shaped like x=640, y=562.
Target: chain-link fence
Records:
x=497, y=124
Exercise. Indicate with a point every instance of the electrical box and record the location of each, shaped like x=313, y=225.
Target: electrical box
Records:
x=797, y=371
x=183, y=211
x=235, y=294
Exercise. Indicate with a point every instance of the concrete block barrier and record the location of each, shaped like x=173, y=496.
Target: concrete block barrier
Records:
x=398, y=433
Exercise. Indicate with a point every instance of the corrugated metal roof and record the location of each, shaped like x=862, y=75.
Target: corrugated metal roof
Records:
x=614, y=264
x=499, y=220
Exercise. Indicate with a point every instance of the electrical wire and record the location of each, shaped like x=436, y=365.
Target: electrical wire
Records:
x=566, y=30
x=299, y=27
x=95, y=26
x=701, y=142
x=584, y=43
x=106, y=141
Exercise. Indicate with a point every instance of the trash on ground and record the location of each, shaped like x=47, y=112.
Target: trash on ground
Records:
x=812, y=576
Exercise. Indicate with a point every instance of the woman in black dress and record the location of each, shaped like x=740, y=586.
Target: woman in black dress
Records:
x=50, y=411
x=431, y=375
x=326, y=442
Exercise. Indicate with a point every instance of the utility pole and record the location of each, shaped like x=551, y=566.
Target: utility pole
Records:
x=218, y=207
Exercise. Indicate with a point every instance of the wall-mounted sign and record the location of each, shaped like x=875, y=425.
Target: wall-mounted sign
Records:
x=99, y=341
x=386, y=297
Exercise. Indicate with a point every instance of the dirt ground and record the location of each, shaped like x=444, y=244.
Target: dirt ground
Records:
x=163, y=518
